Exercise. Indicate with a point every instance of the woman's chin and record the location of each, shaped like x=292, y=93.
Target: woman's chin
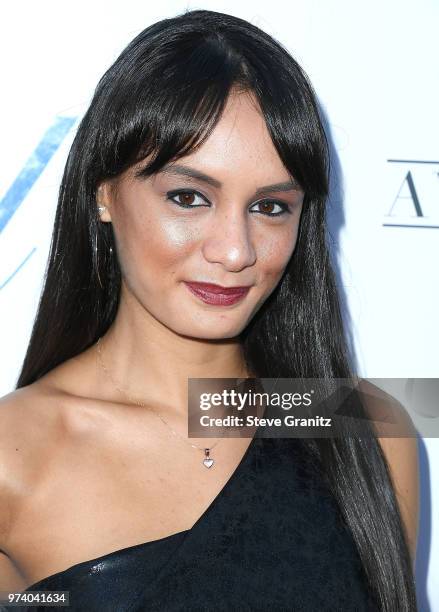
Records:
x=211, y=331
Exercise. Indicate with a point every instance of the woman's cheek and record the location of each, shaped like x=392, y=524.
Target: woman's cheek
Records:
x=177, y=233
x=274, y=254
x=167, y=245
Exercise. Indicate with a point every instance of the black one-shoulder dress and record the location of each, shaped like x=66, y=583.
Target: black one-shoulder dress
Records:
x=273, y=539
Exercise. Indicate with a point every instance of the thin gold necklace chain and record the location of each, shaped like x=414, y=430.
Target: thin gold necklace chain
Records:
x=208, y=461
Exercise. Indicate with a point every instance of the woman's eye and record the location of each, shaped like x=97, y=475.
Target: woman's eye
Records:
x=267, y=208
x=193, y=199
x=187, y=199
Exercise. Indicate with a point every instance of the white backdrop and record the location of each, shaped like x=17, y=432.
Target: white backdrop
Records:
x=374, y=68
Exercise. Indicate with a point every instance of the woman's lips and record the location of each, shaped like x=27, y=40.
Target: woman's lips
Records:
x=217, y=295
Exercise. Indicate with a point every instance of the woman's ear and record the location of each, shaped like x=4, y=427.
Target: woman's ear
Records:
x=103, y=201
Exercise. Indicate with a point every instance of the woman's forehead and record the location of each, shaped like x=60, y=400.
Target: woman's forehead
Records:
x=240, y=142
x=239, y=146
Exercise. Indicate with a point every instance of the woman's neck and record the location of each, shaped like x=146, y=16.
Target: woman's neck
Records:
x=154, y=364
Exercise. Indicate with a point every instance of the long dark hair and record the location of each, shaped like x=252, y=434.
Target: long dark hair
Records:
x=161, y=98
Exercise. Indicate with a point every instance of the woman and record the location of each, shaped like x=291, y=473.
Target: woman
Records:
x=201, y=160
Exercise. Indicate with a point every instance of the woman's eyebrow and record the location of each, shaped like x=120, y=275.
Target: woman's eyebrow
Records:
x=178, y=169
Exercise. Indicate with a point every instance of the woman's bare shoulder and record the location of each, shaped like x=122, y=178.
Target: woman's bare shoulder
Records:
x=33, y=413
x=35, y=421
x=31, y=427
x=27, y=416
x=23, y=424
x=34, y=416
x=22, y=418
x=28, y=419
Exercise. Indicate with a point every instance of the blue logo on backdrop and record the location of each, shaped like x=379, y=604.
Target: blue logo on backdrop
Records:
x=417, y=200
x=29, y=174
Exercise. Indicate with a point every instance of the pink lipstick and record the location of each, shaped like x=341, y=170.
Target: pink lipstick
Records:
x=217, y=295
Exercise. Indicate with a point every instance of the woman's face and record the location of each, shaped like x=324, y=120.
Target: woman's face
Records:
x=227, y=214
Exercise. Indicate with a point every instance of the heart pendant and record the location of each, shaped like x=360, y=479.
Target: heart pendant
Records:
x=208, y=462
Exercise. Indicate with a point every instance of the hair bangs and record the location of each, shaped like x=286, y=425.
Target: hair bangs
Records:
x=172, y=111
x=289, y=107
x=163, y=105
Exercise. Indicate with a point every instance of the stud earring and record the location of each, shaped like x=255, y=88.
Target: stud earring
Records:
x=101, y=209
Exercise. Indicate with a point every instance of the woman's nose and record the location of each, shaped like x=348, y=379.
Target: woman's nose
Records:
x=229, y=242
